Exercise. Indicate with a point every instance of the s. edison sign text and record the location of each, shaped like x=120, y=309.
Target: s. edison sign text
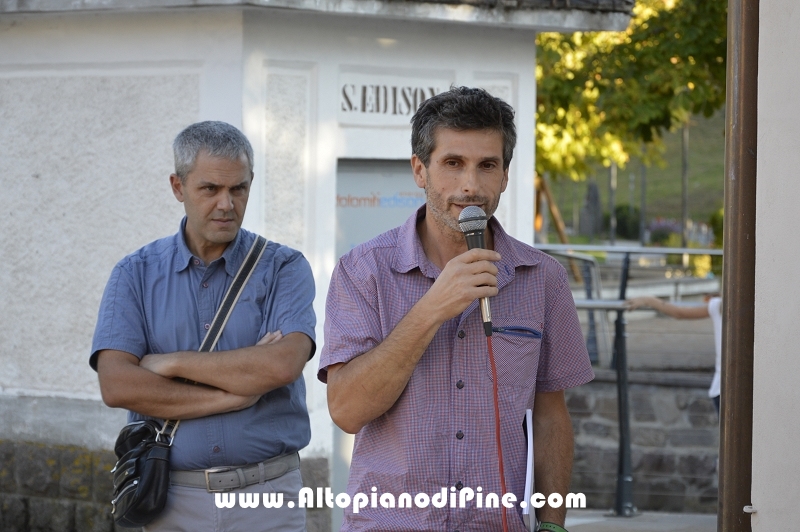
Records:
x=383, y=100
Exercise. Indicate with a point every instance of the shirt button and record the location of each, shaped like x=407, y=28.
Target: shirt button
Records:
x=207, y=326
x=459, y=485
x=461, y=334
x=216, y=448
x=205, y=285
x=460, y=384
x=196, y=262
x=460, y=436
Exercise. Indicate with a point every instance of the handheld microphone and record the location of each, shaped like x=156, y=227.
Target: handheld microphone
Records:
x=472, y=222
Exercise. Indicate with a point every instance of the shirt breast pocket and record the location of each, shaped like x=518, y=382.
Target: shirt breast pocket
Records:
x=516, y=354
x=248, y=316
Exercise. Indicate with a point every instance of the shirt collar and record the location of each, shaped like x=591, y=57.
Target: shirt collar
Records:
x=410, y=253
x=184, y=255
x=231, y=256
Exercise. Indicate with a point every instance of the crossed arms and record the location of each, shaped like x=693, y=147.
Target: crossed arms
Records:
x=228, y=380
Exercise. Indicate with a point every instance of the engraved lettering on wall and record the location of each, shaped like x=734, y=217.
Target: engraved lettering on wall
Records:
x=384, y=99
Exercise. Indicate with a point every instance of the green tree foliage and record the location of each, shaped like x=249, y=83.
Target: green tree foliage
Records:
x=628, y=221
x=603, y=96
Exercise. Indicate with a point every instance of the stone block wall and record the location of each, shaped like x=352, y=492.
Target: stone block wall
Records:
x=674, y=441
x=674, y=433
x=63, y=488
x=52, y=487
x=316, y=474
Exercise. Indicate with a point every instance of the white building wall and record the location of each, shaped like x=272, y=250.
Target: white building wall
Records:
x=89, y=105
x=777, y=301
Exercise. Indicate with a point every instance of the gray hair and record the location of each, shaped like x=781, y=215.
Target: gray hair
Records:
x=217, y=139
x=462, y=109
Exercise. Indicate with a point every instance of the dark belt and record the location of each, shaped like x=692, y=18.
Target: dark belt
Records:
x=230, y=478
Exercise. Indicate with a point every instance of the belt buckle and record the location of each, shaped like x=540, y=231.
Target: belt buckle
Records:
x=219, y=469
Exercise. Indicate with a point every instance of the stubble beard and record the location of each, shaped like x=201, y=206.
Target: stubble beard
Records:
x=436, y=205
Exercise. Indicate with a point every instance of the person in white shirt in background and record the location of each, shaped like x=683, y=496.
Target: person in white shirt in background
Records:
x=713, y=310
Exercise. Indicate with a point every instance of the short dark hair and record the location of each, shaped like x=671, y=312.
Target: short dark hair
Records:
x=218, y=139
x=462, y=109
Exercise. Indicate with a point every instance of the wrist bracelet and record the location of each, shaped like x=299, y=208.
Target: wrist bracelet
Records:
x=551, y=527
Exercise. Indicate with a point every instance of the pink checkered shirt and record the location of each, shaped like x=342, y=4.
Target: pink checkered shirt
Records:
x=440, y=432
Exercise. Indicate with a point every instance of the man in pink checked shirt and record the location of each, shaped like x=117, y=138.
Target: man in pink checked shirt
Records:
x=405, y=356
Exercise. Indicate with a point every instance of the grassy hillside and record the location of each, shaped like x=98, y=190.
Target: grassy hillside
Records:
x=706, y=172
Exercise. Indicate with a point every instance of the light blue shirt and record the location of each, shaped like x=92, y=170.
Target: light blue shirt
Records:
x=162, y=299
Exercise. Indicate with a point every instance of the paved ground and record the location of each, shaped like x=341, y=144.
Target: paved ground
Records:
x=600, y=521
x=657, y=342
x=664, y=343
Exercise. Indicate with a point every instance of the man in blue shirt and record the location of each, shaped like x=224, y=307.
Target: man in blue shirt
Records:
x=248, y=412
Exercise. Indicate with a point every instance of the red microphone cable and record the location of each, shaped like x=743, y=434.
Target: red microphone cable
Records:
x=497, y=431
x=472, y=222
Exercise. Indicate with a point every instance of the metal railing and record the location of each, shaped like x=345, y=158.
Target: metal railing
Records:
x=582, y=248
x=623, y=502
x=623, y=505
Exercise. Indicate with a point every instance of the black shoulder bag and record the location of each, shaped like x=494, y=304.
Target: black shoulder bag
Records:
x=141, y=474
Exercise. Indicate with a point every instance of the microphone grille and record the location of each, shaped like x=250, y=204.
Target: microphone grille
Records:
x=472, y=218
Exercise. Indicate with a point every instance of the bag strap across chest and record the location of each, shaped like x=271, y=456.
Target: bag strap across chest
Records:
x=221, y=317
